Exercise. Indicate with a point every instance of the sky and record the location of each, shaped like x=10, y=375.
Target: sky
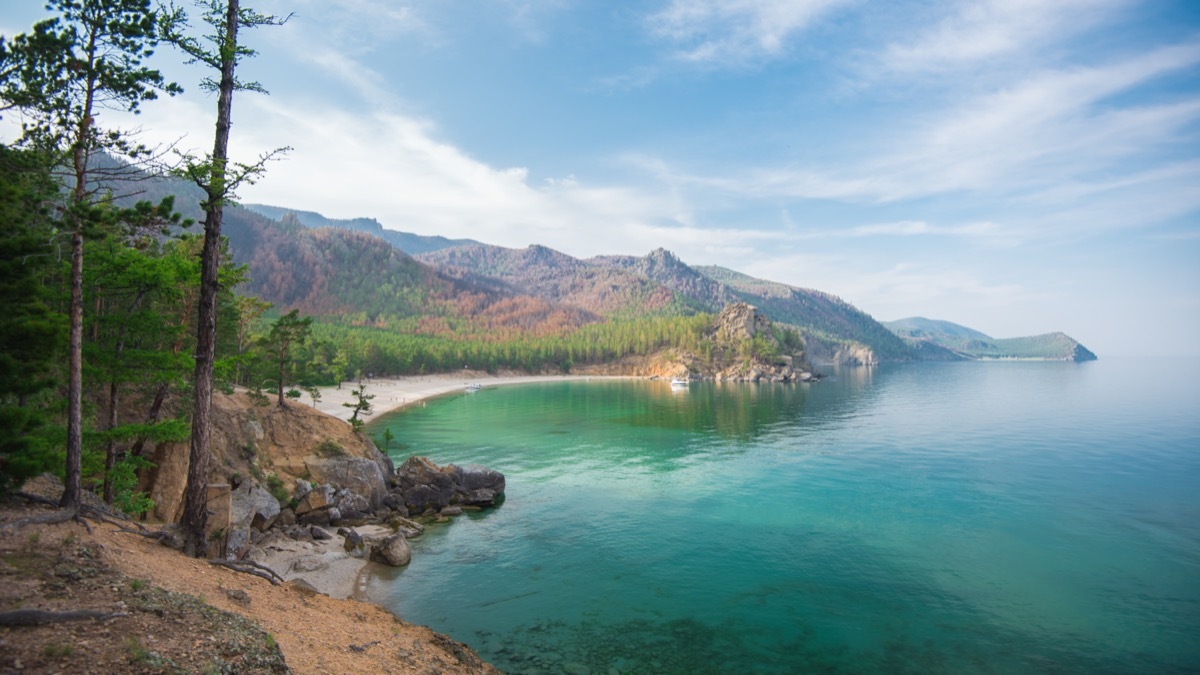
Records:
x=1016, y=166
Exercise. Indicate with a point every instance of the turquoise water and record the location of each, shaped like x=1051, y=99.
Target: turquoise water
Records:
x=972, y=517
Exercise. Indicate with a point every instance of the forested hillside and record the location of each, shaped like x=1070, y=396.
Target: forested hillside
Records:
x=660, y=282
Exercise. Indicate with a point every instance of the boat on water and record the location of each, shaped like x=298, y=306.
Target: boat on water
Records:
x=474, y=386
x=680, y=382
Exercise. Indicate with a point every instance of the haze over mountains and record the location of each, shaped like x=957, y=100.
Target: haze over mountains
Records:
x=358, y=268
x=972, y=344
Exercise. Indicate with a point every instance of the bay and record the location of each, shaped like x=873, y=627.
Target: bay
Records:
x=983, y=517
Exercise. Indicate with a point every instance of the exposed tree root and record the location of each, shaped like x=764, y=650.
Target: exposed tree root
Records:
x=60, y=516
x=249, y=567
x=164, y=537
x=98, y=514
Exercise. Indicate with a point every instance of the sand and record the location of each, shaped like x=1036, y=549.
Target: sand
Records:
x=398, y=392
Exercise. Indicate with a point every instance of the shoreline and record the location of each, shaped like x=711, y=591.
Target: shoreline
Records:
x=324, y=564
x=395, y=393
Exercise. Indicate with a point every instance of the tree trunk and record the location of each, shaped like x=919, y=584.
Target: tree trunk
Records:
x=110, y=449
x=73, y=483
x=195, y=509
x=153, y=417
x=114, y=398
x=281, y=372
x=73, y=472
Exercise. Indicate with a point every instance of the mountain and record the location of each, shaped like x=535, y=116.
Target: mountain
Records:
x=411, y=244
x=967, y=343
x=823, y=316
x=360, y=273
x=367, y=281
x=555, y=277
x=836, y=331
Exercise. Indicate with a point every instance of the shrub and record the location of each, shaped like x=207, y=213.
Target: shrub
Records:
x=330, y=448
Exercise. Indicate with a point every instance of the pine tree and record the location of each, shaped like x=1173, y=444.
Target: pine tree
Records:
x=219, y=181
x=288, y=332
x=31, y=335
x=86, y=59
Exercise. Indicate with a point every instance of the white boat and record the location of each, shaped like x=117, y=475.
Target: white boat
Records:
x=474, y=387
x=679, y=382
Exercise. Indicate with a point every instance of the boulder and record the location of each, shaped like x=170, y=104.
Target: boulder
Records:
x=352, y=518
x=237, y=543
x=302, y=488
x=480, y=485
x=393, y=551
x=316, y=499
x=286, y=517
x=359, y=475
x=409, y=528
x=322, y=517
x=349, y=501
x=353, y=543
x=394, y=501
x=422, y=498
x=253, y=506
x=428, y=487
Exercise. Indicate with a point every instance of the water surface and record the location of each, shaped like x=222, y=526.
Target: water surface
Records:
x=984, y=517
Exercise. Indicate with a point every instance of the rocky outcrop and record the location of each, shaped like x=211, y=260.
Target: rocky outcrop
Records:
x=261, y=444
x=739, y=323
x=744, y=346
x=282, y=479
x=297, y=543
x=426, y=487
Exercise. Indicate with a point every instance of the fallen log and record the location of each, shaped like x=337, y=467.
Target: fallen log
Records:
x=41, y=617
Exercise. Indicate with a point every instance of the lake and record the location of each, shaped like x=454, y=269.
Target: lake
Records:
x=964, y=517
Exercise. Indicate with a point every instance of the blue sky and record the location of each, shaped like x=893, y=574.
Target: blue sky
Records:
x=1017, y=166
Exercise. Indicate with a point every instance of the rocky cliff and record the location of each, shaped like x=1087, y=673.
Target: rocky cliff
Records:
x=744, y=346
x=282, y=478
x=271, y=446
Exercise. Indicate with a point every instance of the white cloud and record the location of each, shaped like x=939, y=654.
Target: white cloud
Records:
x=1050, y=128
x=732, y=31
x=354, y=26
x=910, y=228
x=395, y=169
x=364, y=81
x=994, y=29
x=1030, y=140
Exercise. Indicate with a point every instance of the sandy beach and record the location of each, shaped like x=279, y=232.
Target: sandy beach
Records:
x=393, y=393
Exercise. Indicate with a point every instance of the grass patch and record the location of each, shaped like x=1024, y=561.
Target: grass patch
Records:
x=56, y=650
x=330, y=448
x=276, y=488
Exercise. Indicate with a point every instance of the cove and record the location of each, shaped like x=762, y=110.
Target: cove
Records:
x=965, y=517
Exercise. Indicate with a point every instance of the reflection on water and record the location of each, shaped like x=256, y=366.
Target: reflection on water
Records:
x=998, y=517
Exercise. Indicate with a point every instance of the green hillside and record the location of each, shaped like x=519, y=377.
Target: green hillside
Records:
x=929, y=334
